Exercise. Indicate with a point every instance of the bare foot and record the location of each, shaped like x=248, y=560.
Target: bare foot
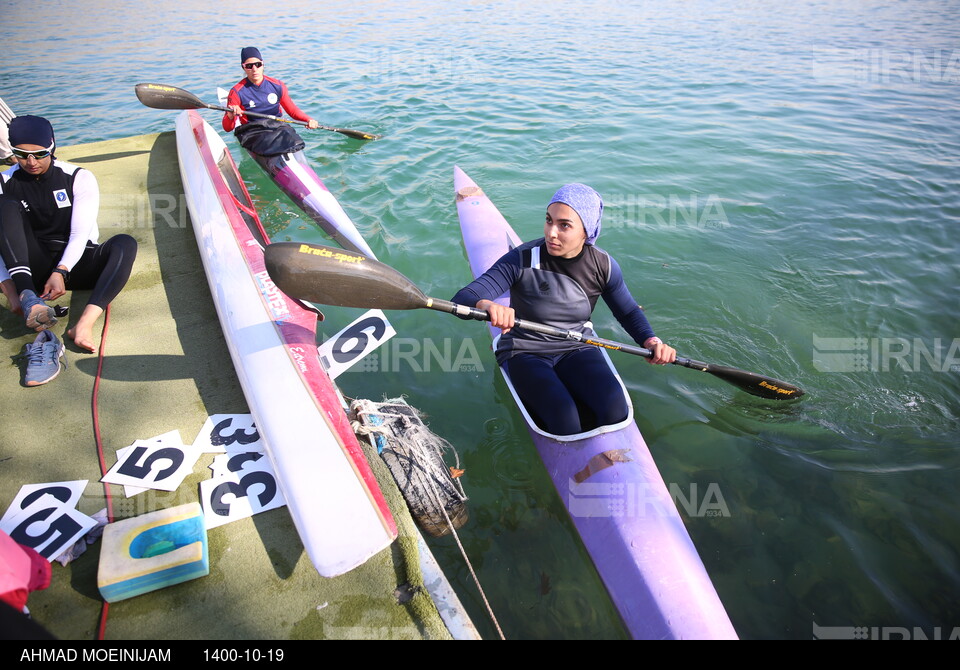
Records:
x=13, y=298
x=82, y=333
x=82, y=339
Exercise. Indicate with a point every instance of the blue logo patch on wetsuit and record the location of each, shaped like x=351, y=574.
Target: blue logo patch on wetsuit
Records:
x=63, y=200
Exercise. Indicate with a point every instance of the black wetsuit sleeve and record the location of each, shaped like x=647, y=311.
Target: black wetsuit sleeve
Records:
x=493, y=283
x=625, y=307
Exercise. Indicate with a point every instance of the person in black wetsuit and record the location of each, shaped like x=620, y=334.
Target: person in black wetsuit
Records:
x=557, y=280
x=48, y=235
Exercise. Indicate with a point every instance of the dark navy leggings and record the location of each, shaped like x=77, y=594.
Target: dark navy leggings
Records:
x=103, y=269
x=568, y=393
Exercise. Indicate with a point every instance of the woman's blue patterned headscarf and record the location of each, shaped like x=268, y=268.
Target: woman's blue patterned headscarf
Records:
x=587, y=203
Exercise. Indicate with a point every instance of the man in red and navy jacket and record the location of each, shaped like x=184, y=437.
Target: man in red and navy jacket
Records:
x=258, y=93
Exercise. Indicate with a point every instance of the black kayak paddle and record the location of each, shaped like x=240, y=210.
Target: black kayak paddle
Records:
x=161, y=96
x=330, y=276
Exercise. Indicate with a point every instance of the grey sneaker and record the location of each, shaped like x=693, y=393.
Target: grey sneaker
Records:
x=43, y=359
x=36, y=312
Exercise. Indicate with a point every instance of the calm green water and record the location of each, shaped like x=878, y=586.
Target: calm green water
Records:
x=783, y=191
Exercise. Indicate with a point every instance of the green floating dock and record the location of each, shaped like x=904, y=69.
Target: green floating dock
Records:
x=166, y=367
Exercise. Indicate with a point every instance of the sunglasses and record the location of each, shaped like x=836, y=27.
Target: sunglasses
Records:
x=250, y=66
x=39, y=154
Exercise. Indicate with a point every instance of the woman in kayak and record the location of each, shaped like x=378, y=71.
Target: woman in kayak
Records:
x=48, y=235
x=259, y=93
x=556, y=280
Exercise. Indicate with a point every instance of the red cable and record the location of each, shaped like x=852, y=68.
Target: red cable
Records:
x=103, y=466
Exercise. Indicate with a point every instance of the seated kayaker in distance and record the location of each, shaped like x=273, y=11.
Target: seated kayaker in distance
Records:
x=48, y=235
x=556, y=280
x=259, y=93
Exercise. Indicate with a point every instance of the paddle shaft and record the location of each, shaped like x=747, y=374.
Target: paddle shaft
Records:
x=352, y=133
x=760, y=385
x=329, y=276
x=345, y=131
x=533, y=326
x=263, y=116
x=161, y=96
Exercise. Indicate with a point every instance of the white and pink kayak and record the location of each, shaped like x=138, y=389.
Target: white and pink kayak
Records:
x=331, y=492
x=293, y=174
x=612, y=488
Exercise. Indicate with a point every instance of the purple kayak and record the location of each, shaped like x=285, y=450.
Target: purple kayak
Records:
x=612, y=488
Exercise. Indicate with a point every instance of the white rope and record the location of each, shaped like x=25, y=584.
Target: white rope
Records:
x=473, y=574
x=421, y=440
